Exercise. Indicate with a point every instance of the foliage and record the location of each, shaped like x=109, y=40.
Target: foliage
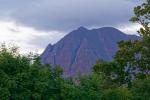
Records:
x=132, y=60
x=117, y=94
x=24, y=78
x=140, y=89
x=127, y=77
x=142, y=16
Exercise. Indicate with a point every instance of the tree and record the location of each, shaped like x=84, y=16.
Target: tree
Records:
x=140, y=89
x=120, y=93
x=91, y=87
x=24, y=78
x=142, y=16
x=134, y=56
x=129, y=61
x=109, y=71
x=132, y=60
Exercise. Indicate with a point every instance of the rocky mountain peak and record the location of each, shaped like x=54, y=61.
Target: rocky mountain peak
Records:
x=79, y=50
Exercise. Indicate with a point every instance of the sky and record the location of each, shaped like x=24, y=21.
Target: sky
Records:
x=33, y=24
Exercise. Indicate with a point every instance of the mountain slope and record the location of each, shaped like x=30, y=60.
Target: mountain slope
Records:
x=80, y=49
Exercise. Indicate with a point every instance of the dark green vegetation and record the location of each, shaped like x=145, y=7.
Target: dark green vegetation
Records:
x=127, y=77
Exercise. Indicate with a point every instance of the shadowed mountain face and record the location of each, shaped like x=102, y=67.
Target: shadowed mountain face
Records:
x=79, y=50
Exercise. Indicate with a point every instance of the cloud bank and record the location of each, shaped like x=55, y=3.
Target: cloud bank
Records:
x=64, y=15
x=35, y=23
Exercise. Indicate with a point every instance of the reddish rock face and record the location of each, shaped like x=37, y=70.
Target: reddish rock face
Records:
x=79, y=50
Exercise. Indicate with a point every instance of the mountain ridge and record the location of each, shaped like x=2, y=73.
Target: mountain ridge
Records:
x=80, y=49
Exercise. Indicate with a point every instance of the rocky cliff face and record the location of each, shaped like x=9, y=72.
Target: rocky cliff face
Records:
x=79, y=50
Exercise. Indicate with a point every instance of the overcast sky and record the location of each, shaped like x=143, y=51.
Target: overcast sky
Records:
x=32, y=24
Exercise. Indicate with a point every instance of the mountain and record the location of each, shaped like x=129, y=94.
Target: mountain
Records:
x=79, y=50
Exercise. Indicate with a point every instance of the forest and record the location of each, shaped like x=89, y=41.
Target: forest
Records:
x=126, y=77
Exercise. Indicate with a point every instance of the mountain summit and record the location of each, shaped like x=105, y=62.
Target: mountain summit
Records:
x=79, y=50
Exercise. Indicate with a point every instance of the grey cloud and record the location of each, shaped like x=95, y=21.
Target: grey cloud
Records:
x=36, y=41
x=64, y=15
